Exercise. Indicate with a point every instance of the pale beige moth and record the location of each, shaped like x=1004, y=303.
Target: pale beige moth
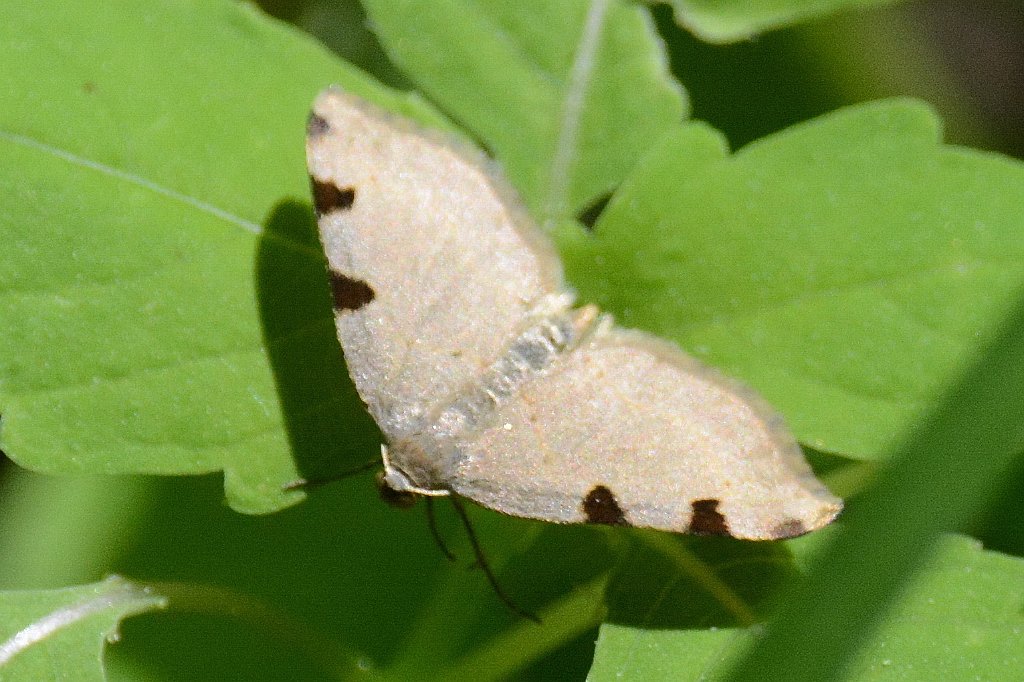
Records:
x=462, y=339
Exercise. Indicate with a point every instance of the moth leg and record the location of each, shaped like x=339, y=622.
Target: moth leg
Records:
x=432, y=524
x=484, y=566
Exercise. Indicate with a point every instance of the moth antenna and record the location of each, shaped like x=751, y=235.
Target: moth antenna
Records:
x=432, y=524
x=310, y=483
x=481, y=561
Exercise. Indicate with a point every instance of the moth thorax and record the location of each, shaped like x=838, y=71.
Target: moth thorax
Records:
x=529, y=354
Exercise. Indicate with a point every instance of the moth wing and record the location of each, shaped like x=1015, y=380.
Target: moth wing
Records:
x=433, y=265
x=627, y=429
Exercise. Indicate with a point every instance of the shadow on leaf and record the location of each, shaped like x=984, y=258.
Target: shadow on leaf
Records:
x=328, y=429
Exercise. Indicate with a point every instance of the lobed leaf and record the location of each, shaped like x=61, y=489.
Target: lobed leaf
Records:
x=850, y=268
x=162, y=295
x=566, y=95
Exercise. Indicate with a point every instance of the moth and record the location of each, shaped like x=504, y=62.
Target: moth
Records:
x=461, y=337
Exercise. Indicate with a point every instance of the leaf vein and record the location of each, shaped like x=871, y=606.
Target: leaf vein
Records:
x=131, y=178
x=572, y=111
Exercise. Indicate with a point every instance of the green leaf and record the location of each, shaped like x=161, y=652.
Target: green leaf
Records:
x=960, y=619
x=850, y=268
x=60, y=634
x=162, y=294
x=672, y=581
x=937, y=481
x=567, y=95
x=724, y=21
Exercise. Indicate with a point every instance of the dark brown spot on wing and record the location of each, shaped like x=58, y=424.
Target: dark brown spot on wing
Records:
x=706, y=519
x=789, y=528
x=317, y=125
x=600, y=506
x=348, y=293
x=328, y=197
